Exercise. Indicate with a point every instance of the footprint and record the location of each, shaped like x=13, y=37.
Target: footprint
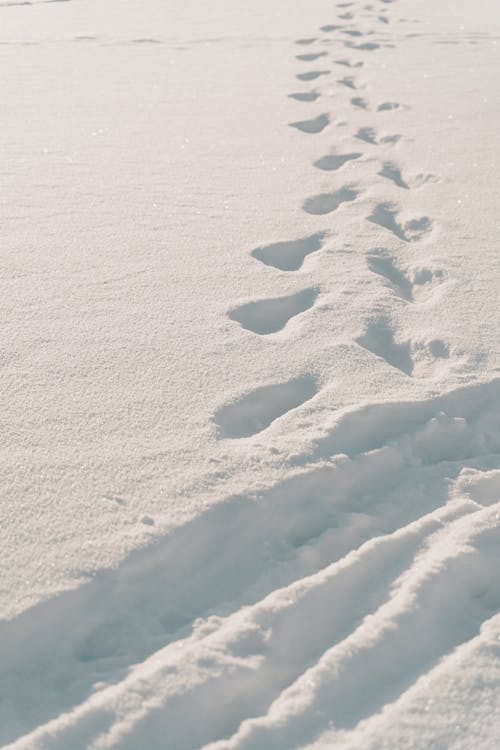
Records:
x=352, y=32
x=369, y=135
x=305, y=96
x=366, y=46
x=391, y=138
x=383, y=19
x=325, y=203
x=332, y=162
x=316, y=125
x=425, y=358
x=346, y=16
x=330, y=27
x=271, y=315
x=290, y=255
x=344, y=5
x=359, y=102
x=347, y=81
x=387, y=106
x=257, y=410
x=309, y=40
x=384, y=215
x=349, y=64
x=392, y=172
x=309, y=57
x=383, y=264
x=379, y=339
x=312, y=75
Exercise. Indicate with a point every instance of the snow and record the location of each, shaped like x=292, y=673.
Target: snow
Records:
x=250, y=375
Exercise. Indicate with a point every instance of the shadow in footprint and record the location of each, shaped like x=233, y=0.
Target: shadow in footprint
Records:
x=379, y=340
x=391, y=139
x=312, y=75
x=414, y=286
x=316, y=125
x=325, y=203
x=349, y=64
x=305, y=96
x=271, y=315
x=347, y=81
x=369, y=135
x=307, y=41
x=330, y=27
x=388, y=106
x=332, y=162
x=366, y=46
x=290, y=255
x=359, y=102
x=393, y=173
x=310, y=56
x=257, y=410
x=382, y=263
x=384, y=215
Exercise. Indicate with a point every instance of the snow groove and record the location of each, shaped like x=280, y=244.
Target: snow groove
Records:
x=384, y=503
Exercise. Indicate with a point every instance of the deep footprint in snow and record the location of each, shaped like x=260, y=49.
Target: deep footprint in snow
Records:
x=359, y=102
x=388, y=106
x=289, y=255
x=384, y=215
x=316, y=125
x=330, y=27
x=348, y=81
x=310, y=56
x=379, y=339
x=365, y=46
x=332, y=162
x=369, y=135
x=414, y=358
x=271, y=315
x=325, y=203
x=305, y=96
x=349, y=64
x=392, y=172
x=382, y=263
x=414, y=285
x=312, y=75
x=307, y=41
x=257, y=410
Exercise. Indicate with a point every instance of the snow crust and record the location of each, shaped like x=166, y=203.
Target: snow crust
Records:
x=250, y=375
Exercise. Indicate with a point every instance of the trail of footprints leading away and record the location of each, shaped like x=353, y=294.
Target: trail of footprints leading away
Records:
x=252, y=413
x=294, y=602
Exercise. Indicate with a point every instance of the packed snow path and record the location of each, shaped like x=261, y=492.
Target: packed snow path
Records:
x=335, y=582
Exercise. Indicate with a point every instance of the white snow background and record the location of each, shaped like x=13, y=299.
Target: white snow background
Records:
x=250, y=375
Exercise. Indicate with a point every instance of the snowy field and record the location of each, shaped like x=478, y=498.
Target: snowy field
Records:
x=250, y=369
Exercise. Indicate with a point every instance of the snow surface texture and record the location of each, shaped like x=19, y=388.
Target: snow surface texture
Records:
x=251, y=391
